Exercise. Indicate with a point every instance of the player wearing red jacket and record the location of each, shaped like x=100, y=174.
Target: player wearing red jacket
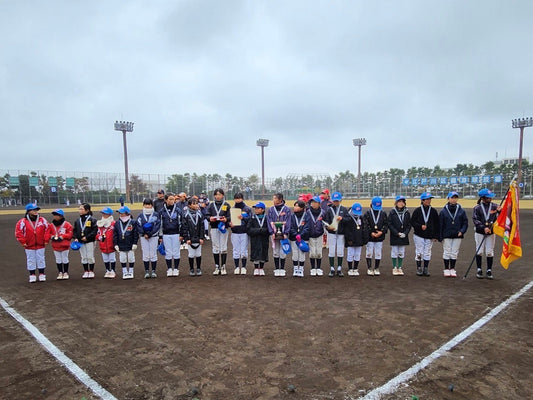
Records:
x=59, y=232
x=104, y=236
x=30, y=232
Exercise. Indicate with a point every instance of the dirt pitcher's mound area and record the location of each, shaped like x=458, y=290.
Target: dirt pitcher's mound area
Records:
x=237, y=337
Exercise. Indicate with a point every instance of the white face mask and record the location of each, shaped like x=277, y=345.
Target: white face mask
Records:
x=148, y=210
x=125, y=219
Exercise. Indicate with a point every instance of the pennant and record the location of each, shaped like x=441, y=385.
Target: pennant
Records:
x=508, y=227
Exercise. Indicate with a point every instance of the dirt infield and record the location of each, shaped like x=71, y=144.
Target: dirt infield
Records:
x=250, y=338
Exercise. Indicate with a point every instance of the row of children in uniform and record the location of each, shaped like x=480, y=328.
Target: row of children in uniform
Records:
x=299, y=231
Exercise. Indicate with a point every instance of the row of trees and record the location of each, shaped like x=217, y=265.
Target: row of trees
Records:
x=385, y=183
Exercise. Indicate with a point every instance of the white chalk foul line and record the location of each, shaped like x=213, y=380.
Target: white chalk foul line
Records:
x=395, y=382
x=58, y=354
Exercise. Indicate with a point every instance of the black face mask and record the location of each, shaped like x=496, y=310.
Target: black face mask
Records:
x=58, y=222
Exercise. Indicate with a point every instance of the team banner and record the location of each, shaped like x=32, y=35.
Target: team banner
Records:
x=508, y=227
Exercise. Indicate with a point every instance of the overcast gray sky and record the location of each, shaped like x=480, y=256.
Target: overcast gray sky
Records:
x=426, y=82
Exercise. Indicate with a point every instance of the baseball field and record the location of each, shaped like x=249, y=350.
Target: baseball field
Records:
x=246, y=337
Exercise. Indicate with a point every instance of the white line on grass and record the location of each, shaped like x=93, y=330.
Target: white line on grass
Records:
x=58, y=354
x=395, y=382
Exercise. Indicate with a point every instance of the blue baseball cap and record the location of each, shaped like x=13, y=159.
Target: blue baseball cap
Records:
x=75, y=245
x=58, y=212
x=336, y=196
x=425, y=196
x=124, y=210
x=260, y=205
x=453, y=194
x=107, y=210
x=357, y=209
x=376, y=203
x=32, y=206
x=316, y=198
x=399, y=197
x=486, y=193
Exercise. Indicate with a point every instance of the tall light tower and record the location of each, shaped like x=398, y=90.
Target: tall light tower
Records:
x=124, y=127
x=358, y=143
x=262, y=143
x=521, y=123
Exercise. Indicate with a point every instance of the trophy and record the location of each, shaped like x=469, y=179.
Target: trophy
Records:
x=279, y=232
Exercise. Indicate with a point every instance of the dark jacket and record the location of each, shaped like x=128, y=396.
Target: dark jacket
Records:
x=480, y=222
x=223, y=211
x=356, y=230
x=381, y=224
x=192, y=226
x=396, y=226
x=125, y=235
x=259, y=238
x=450, y=227
x=244, y=209
x=433, y=224
x=170, y=220
x=153, y=218
x=330, y=214
x=159, y=204
x=85, y=226
x=282, y=215
x=302, y=228
x=316, y=227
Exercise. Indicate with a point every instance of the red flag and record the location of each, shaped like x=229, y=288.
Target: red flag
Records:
x=508, y=227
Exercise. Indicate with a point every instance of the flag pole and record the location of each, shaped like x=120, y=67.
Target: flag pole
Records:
x=484, y=236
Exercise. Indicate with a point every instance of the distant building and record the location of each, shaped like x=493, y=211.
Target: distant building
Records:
x=509, y=161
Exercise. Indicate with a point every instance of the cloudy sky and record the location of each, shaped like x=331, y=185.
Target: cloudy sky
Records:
x=425, y=82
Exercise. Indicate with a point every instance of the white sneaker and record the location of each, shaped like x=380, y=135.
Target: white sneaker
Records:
x=85, y=275
x=60, y=276
x=91, y=274
x=223, y=270
x=261, y=272
x=112, y=275
x=282, y=272
x=106, y=275
x=42, y=278
x=301, y=272
x=237, y=271
x=169, y=272
x=355, y=272
x=243, y=271
x=217, y=270
x=207, y=237
x=370, y=271
x=65, y=275
x=33, y=278
x=256, y=272
x=319, y=272
x=313, y=272
x=453, y=273
x=130, y=275
x=295, y=272
x=175, y=272
x=376, y=272
x=395, y=271
x=400, y=272
x=276, y=272
x=447, y=273
x=350, y=272
x=125, y=276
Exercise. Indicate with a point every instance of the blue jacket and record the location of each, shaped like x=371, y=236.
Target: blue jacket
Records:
x=450, y=228
x=125, y=235
x=153, y=218
x=283, y=215
x=170, y=220
x=479, y=220
x=316, y=227
x=223, y=211
x=192, y=226
x=303, y=228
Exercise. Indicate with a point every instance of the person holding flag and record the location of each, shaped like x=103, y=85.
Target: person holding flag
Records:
x=508, y=227
x=484, y=217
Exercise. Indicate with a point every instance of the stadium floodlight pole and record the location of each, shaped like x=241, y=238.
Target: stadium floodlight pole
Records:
x=262, y=143
x=124, y=127
x=358, y=143
x=521, y=123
